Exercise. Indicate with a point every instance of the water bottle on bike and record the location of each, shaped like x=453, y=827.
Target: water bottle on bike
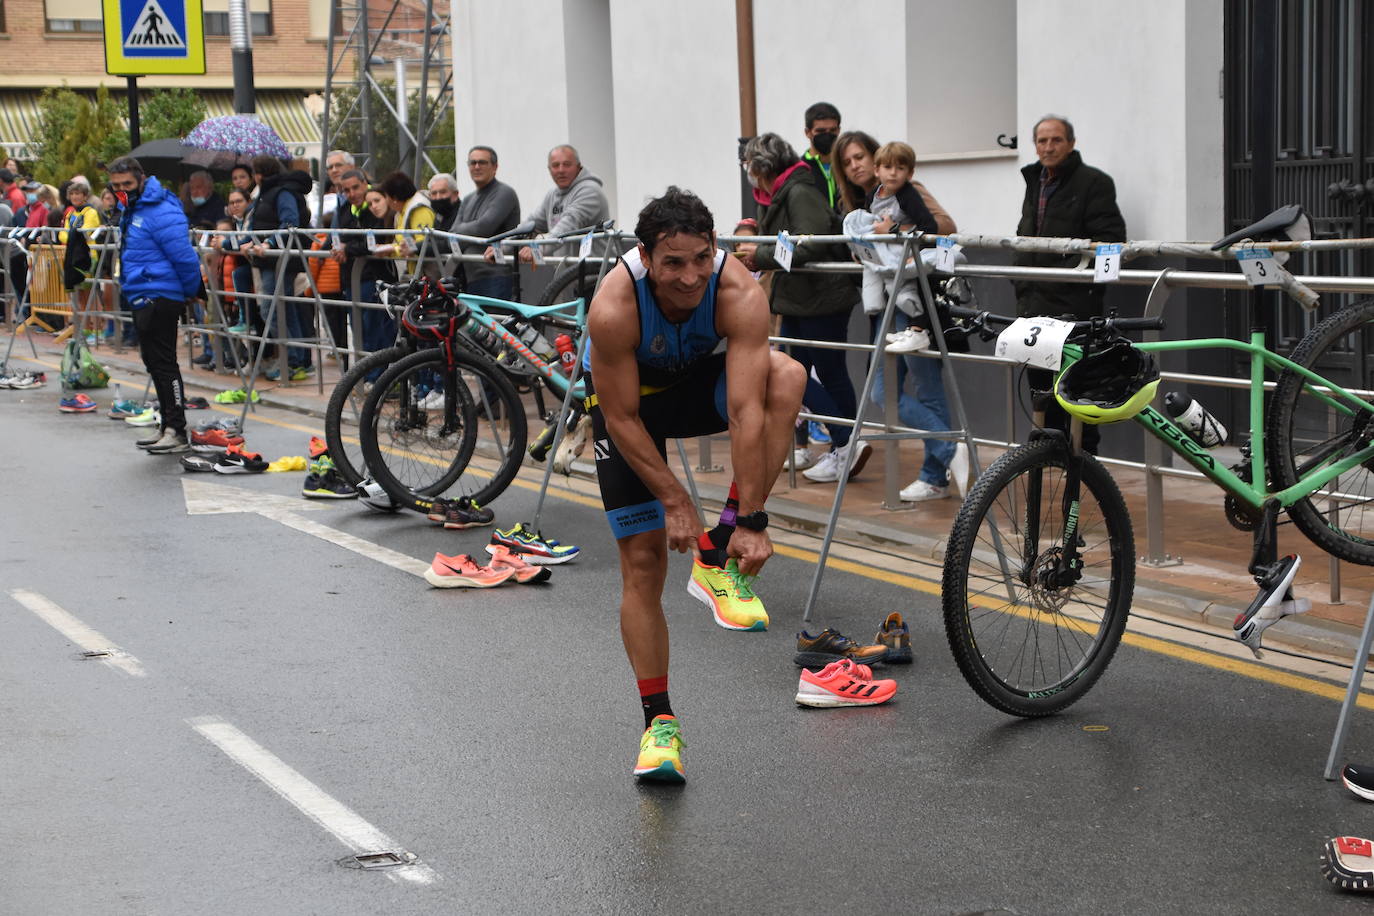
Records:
x=567, y=353
x=1195, y=420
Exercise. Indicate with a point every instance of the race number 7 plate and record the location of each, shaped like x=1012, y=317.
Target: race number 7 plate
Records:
x=1035, y=342
x=1259, y=266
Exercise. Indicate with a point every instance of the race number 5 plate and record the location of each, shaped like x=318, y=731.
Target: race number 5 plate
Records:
x=787, y=246
x=1035, y=342
x=1259, y=266
x=1108, y=266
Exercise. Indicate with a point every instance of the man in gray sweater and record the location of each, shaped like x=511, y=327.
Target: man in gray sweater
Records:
x=492, y=209
x=575, y=201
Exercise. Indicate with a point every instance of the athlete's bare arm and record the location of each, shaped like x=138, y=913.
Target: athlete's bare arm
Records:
x=613, y=322
x=742, y=318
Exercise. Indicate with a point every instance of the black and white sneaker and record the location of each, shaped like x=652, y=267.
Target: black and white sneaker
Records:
x=1348, y=863
x=198, y=463
x=1359, y=778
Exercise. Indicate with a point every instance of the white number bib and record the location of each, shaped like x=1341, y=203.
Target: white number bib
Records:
x=1259, y=266
x=1035, y=342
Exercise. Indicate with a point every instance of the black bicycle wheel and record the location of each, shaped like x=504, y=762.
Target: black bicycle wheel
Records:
x=346, y=406
x=423, y=424
x=1026, y=645
x=571, y=281
x=1309, y=429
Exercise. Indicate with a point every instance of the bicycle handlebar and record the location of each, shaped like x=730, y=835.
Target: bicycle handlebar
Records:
x=982, y=319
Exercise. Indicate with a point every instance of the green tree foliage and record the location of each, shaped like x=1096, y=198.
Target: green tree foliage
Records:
x=383, y=133
x=76, y=135
x=170, y=113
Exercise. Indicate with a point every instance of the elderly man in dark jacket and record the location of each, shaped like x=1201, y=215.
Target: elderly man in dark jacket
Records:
x=812, y=306
x=1064, y=199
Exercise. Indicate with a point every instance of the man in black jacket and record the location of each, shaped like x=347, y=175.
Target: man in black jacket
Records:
x=1064, y=199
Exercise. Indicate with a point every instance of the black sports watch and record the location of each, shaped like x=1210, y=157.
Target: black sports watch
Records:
x=754, y=521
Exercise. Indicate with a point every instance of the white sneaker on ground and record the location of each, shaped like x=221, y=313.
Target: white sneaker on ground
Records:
x=908, y=341
x=803, y=458
x=959, y=469
x=827, y=469
x=920, y=491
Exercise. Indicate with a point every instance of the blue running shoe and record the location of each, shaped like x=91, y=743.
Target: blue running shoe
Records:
x=125, y=408
x=818, y=434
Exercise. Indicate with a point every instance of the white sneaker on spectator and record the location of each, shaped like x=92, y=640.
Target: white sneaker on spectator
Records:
x=908, y=341
x=803, y=458
x=432, y=401
x=827, y=469
x=919, y=491
x=959, y=469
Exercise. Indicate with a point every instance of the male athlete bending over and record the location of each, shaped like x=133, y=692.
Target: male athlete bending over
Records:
x=654, y=324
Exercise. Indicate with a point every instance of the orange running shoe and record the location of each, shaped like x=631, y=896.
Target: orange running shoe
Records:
x=213, y=440
x=525, y=573
x=462, y=571
x=843, y=683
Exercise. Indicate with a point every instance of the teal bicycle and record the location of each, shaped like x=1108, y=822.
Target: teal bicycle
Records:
x=423, y=419
x=1039, y=570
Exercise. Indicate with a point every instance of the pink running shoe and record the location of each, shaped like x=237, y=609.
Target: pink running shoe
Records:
x=462, y=571
x=843, y=683
x=503, y=557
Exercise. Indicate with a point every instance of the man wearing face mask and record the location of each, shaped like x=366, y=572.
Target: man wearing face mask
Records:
x=161, y=272
x=822, y=127
x=204, y=207
x=443, y=199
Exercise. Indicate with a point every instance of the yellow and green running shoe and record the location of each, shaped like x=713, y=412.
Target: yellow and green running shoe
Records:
x=729, y=594
x=660, y=751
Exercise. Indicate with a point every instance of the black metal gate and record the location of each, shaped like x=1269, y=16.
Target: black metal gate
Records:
x=1325, y=158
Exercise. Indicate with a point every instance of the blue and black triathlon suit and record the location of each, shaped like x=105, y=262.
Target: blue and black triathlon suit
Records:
x=681, y=395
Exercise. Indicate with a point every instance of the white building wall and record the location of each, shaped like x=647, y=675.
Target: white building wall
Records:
x=648, y=92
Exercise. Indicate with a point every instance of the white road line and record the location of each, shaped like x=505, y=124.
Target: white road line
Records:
x=349, y=542
x=312, y=801
x=88, y=639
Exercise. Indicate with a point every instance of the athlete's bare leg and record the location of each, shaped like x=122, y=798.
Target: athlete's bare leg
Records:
x=643, y=571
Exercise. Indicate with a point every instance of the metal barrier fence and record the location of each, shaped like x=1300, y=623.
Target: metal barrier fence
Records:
x=436, y=253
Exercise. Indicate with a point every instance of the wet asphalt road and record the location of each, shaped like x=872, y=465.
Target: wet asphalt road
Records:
x=491, y=733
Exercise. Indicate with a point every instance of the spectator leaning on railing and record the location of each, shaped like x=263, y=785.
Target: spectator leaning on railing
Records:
x=490, y=210
x=813, y=306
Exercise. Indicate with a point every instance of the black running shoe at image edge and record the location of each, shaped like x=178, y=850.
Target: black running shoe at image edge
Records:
x=1359, y=778
x=1348, y=863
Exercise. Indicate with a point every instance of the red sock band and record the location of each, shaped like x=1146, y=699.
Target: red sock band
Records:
x=704, y=541
x=652, y=685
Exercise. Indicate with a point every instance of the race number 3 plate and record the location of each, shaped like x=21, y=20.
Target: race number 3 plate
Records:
x=1035, y=342
x=1259, y=266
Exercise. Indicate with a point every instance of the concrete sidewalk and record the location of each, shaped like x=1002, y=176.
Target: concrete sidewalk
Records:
x=1207, y=589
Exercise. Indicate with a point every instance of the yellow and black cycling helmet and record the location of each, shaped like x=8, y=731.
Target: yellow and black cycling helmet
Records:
x=1111, y=384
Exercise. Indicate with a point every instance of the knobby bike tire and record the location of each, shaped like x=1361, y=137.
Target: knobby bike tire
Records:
x=349, y=390
x=1079, y=626
x=482, y=489
x=564, y=286
x=1304, y=432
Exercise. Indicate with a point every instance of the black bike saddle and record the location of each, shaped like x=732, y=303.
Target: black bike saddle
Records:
x=1285, y=223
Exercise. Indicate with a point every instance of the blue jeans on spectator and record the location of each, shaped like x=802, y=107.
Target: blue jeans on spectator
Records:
x=298, y=316
x=497, y=286
x=835, y=396
x=927, y=409
x=379, y=328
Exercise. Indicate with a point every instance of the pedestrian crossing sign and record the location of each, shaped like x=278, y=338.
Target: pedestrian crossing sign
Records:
x=145, y=37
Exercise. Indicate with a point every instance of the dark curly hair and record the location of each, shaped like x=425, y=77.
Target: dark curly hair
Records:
x=676, y=211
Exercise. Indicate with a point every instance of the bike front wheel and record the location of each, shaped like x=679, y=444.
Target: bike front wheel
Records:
x=425, y=424
x=1309, y=429
x=345, y=404
x=1027, y=641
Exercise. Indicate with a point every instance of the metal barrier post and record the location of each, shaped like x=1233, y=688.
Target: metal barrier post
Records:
x=892, y=460
x=1154, y=451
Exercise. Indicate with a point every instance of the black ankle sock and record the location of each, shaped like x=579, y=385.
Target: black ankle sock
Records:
x=655, y=704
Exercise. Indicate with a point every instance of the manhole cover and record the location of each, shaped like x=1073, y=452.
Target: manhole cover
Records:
x=385, y=859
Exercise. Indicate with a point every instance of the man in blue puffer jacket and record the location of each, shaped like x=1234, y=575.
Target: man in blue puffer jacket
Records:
x=160, y=272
